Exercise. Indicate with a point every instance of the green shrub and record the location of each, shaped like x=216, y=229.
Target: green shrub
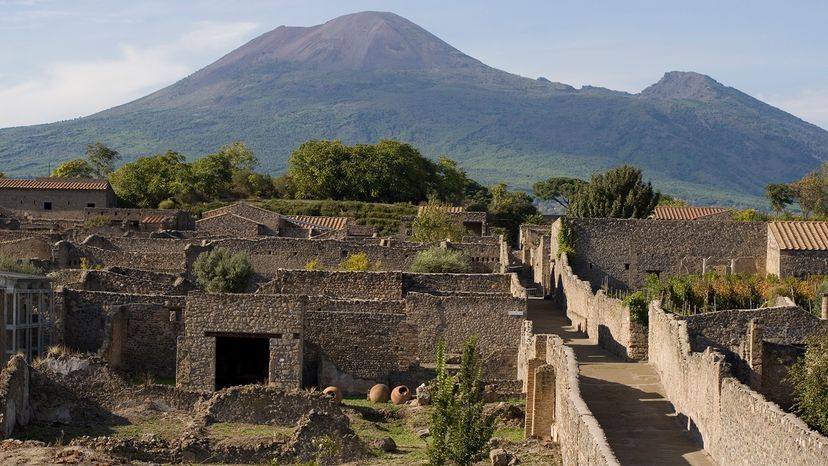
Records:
x=458, y=426
x=166, y=204
x=439, y=260
x=639, y=307
x=434, y=223
x=313, y=264
x=566, y=240
x=98, y=221
x=356, y=263
x=8, y=264
x=221, y=271
x=809, y=377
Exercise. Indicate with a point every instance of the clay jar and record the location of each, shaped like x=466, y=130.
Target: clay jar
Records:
x=400, y=395
x=379, y=393
x=334, y=393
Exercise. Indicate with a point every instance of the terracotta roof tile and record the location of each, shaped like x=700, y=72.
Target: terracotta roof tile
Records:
x=448, y=208
x=811, y=236
x=82, y=184
x=331, y=223
x=686, y=213
x=155, y=219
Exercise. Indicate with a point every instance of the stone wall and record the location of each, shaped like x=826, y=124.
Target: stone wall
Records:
x=86, y=314
x=35, y=247
x=496, y=320
x=622, y=252
x=271, y=220
x=259, y=404
x=141, y=338
x=278, y=318
x=554, y=406
x=133, y=281
x=382, y=285
x=14, y=395
x=736, y=425
x=342, y=285
x=32, y=200
x=231, y=225
x=605, y=320
x=802, y=263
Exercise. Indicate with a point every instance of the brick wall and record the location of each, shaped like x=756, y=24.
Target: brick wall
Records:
x=737, y=425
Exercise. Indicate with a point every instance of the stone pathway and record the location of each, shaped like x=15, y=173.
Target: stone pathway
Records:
x=626, y=398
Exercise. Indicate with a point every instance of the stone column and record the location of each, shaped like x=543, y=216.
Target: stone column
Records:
x=543, y=402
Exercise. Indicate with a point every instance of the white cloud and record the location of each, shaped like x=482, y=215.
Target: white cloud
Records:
x=811, y=105
x=70, y=90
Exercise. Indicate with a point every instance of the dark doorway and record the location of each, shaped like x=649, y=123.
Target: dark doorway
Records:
x=241, y=361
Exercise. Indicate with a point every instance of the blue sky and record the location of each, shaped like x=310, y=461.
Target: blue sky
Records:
x=63, y=59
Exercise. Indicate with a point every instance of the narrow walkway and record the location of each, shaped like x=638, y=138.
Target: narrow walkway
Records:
x=626, y=398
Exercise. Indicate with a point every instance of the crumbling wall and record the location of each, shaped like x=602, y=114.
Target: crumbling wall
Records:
x=14, y=395
x=554, y=406
x=606, y=321
x=735, y=424
x=121, y=280
x=86, y=314
x=259, y=404
x=141, y=338
x=231, y=225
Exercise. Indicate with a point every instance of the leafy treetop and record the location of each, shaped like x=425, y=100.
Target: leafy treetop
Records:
x=618, y=193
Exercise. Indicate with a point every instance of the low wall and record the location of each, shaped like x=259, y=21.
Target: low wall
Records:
x=14, y=395
x=736, y=425
x=343, y=285
x=605, y=320
x=450, y=283
x=563, y=411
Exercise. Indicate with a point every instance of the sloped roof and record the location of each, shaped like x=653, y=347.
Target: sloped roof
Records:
x=154, y=219
x=81, y=184
x=237, y=206
x=686, y=213
x=331, y=223
x=452, y=209
x=808, y=236
x=227, y=214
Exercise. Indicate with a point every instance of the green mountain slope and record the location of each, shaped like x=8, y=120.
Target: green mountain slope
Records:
x=372, y=75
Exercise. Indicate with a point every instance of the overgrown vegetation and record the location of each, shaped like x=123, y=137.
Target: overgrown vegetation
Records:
x=222, y=271
x=8, y=264
x=99, y=221
x=435, y=223
x=809, y=377
x=458, y=426
x=566, y=240
x=638, y=305
x=690, y=294
x=618, y=193
x=358, y=262
x=439, y=260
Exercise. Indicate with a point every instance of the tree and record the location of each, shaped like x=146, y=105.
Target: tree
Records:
x=78, y=168
x=812, y=193
x=780, y=196
x=559, y=189
x=149, y=180
x=101, y=159
x=222, y=271
x=618, y=193
x=460, y=429
x=357, y=262
x=509, y=209
x=451, y=182
x=809, y=377
x=2, y=175
x=439, y=260
x=435, y=223
x=666, y=200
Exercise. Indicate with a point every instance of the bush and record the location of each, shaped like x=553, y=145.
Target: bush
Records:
x=356, y=263
x=313, y=264
x=166, y=204
x=809, y=377
x=99, y=221
x=435, y=223
x=639, y=307
x=221, y=271
x=8, y=264
x=566, y=240
x=439, y=260
x=459, y=428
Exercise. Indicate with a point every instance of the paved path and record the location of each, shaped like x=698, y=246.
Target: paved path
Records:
x=626, y=398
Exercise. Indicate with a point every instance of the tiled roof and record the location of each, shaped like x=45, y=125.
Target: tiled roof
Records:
x=155, y=219
x=812, y=236
x=83, y=184
x=686, y=213
x=331, y=223
x=448, y=208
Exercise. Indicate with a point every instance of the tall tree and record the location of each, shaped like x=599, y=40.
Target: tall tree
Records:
x=77, y=168
x=101, y=159
x=780, y=196
x=618, y=193
x=559, y=189
x=508, y=209
x=809, y=377
x=149, y=180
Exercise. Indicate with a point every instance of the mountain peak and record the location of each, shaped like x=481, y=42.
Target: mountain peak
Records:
x=686, y=85
x=369, y=40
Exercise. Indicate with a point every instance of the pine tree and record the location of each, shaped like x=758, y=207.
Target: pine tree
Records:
x=618, y=193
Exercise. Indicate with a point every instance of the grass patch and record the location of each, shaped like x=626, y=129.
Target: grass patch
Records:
x=168, y=427
x=512, y=434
